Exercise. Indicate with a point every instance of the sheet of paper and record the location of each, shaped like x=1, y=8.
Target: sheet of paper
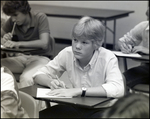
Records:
x=42, y=93
x=119, y=53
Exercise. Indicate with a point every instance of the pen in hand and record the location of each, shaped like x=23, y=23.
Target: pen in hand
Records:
x=60, y=81
x=13, y=28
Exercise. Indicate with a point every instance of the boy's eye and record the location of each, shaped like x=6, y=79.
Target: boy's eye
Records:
x=75, y=40
x=84, y=42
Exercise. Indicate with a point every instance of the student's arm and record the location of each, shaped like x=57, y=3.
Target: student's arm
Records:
x=132, y=38
x=45, y=75
x=42, y=79
x=39, y=43
x=141, y=49
x=72, y=92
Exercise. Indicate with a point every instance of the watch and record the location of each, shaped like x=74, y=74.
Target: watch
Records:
x=83, y=91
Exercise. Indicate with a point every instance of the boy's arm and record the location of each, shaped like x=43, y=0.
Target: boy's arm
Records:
x=132, y=38
x=42, y=79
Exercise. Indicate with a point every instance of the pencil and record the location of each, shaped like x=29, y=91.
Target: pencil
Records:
x=13, y=28
x=59, y=81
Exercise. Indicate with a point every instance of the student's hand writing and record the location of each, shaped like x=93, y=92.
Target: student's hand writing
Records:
x=7, y=36
x=64, y=92
x=126, y=48
x=55, y=84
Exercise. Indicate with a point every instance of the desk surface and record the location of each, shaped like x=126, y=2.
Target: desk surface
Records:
x=76, y=12
x=81, y=101
x=142, y=58
x=20, y=50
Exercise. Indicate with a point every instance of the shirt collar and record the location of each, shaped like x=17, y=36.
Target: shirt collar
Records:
x=92, y=61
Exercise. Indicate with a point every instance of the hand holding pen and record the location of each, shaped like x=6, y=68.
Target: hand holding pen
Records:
x=8, y=36
x=57, y=84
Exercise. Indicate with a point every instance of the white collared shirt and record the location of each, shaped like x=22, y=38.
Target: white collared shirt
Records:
x=7, y=82
x=102, y=70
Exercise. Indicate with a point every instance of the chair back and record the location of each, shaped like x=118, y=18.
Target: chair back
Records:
x=29, y=104
x=51, y=50
x=125, y=86
x=141, y=88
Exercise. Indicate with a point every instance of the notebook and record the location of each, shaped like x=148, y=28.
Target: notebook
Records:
x=42, y=93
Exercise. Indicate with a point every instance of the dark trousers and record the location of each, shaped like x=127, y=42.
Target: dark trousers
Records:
x=70, y=111
x=137, y=75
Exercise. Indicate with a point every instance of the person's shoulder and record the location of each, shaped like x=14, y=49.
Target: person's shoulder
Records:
x=106, y=53
x=67, y=49
x=38, y=14
x=142, y=24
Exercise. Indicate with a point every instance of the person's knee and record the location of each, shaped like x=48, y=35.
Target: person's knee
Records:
x=44, y=60
x=26, y=80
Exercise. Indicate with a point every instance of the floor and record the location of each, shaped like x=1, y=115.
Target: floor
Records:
x=130, y=62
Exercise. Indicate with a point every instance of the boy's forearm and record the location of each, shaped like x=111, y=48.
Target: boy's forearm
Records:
x=42, y=79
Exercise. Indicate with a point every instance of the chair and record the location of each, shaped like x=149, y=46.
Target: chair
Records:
x=141, y=88
x=29, y=104
x=51, y=53
x=125, y=86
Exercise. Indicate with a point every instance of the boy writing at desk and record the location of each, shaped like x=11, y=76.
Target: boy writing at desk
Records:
x=32, y=31
x=92, y=70
x=130, y=43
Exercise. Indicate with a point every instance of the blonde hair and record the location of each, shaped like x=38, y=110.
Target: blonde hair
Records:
x=90, y=29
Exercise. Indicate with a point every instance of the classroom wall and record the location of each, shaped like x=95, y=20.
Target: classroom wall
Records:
x=62, y=28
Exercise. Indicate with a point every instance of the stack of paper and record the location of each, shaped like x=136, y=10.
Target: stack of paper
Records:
x=119, y=53
x=42, y=93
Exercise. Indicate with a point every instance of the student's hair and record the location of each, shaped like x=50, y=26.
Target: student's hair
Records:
x=10, y=7
x=129, y=106
x=90, y=29
x=147, y=12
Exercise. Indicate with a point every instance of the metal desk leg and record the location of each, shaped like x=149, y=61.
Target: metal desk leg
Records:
x=105, y=22
x=125, y=64
x=47, y=104
x=114, y=35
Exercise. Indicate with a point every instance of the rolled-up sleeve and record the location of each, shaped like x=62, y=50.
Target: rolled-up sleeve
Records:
x=114, y=85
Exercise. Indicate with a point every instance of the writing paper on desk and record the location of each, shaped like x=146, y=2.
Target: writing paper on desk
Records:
x=119, y=53
x=42, y=93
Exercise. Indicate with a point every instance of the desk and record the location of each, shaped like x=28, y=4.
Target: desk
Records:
x=19, y=50
x=142, y=59
x=89, y=102
x=76, y=13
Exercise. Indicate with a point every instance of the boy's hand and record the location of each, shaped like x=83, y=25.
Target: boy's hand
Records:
x=7, y=36
x=55, y=84
x=140, y=49
x=9, y=44
x=126, y=48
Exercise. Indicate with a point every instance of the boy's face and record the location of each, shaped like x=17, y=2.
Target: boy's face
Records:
x=19, y=18
x=83, y=49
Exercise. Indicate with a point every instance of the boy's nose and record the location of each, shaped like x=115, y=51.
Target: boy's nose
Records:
x=13, y=19
x=78, y=46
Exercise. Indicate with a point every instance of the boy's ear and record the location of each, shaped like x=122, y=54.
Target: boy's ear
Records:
x=95, y=46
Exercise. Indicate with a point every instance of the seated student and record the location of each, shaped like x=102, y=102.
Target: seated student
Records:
x=140, y=33
x=92, y=70
x=10, y=100
x=129, y=106
x=31, y=31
